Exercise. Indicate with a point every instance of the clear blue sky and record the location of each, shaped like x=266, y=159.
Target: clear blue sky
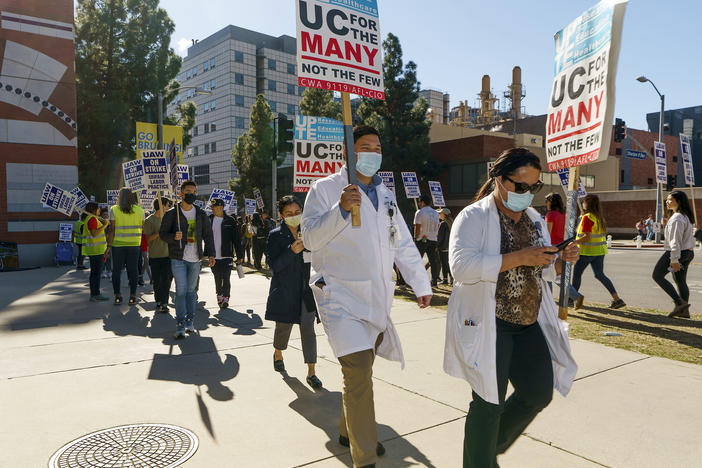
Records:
x=455, y=42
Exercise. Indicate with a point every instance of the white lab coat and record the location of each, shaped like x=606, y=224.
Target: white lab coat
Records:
x=475, y=260
x=357, y=266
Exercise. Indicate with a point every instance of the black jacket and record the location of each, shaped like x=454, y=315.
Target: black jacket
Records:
x=442, y=238
x=230, y=238
x=291, y=278
x=203, y=232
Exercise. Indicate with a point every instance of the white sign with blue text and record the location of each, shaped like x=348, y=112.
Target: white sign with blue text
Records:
x=134, y=174
x=564, y=174
x=58, y=199
x=156, y=170
x=112, y=196
x=661, y=171
x=250, y=206
x=388, y=180
x=437, y=195
x=65, y=232
x=81, y=199
x=686, y=151
x=409, y=180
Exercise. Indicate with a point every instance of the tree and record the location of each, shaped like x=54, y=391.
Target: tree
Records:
x=253, y=154
x=123, y=59
x=185, y=116
x=401, y=120
x=320, y=103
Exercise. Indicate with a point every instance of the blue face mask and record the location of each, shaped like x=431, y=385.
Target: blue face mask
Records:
x=517, y=201
x=368, y=163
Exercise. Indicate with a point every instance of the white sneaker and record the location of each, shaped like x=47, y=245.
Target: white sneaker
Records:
x=189, y=328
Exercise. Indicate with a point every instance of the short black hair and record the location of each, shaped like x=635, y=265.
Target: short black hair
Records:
x=363, y=130
x=426, y=199
x=157, y=205
x=187, y=183
x=91, y=207
x=286, y=201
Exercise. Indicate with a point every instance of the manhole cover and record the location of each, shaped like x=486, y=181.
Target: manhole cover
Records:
x=133, y=446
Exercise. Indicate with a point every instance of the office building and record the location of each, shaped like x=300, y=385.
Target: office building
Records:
x=687, y=121
x=233, y=65
x=439, y=105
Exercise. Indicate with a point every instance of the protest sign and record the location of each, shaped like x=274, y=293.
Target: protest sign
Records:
x=103, y=205
x=388, y=180
x=437, y=195
x=134, y=174
x=146, y=199
x=147, y=138
x=233, y=208
x=65, y=232
x=661, y=171
x=409, y=180
x=225, y=195
x=112, y=196
x=319, y=150
x=81, y=199
x=259, y=199
x=250, y=204
x=339, y=47
x=582, y=99
x=564, y=175
x=183, y=175
x=173, y=166
x=686, y=151
x=156, y=170
x=199, y=203
x=58, y=199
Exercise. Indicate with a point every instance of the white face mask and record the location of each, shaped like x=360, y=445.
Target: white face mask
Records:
x=293, y=221
x=368, y=163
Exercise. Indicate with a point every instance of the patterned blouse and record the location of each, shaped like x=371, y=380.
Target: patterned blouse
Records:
x=518, y=294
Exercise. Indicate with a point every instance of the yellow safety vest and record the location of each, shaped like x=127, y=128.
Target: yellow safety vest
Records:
x=93, y=245
x=127, y=227
x=598, y=241
x=78, y=232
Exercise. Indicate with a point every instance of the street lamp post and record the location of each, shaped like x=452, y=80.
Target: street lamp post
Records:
x=659, y=209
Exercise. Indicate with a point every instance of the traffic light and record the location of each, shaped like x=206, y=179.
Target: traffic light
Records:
x=619, y=130
x=285, y=134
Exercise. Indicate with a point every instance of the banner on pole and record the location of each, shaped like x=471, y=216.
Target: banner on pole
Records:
x=156, y=170
x=579, y=124
x=437, y=195
x=661, y=170
x=338, y=47
x=319, y=150
x=173, y=166
x=146, y=199
x=564, y=175
x=112, y=196
x=134, y=174
x=259, y=199
x=388, y=180
x=409, y=180
x=183, y=175
x=58, y=199
x=65, y=232
x=81, y=199
x=147, y=138
x=225, y=195
x=250, y=204
x=686, y=151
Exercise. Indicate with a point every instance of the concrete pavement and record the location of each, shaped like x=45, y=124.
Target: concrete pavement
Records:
x=69, y=367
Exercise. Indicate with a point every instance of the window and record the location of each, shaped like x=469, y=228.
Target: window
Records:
x=195, y=131
x=202, y=174
x=238, y=56
x=273, y=106
x=618, y=151
x=271, y=85
x=271, y=64
x=213, y=126
x=190, y=151
x=207, y=148
x=206, y=107
x=549, y=178
x=187, y=74
x=179, y=99
x=239, y=122
x=213, y=84
x=621, y=177
x=291, y=89
x=213, y=146
x=291, y=69
x=196, y=151
x=207, y=128
x=588, y=181
x=194, y=72
x=239, y=101
x=239, y=78
x=188, y=94
x=291, y=110
x=212, y=62
x=650, y=181
x=300, y=90
x=206, y=86
x=213, y=104
x=675, y=159
x=466, y=178
x=204, y=67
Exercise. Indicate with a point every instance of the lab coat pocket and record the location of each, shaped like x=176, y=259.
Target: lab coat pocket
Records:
x=352, y=296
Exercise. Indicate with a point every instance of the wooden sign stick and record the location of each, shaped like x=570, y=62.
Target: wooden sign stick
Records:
x=570, y=230
x=694, y=208
x=350, y=153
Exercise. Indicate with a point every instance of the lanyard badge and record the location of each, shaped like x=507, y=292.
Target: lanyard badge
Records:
x=392, y=229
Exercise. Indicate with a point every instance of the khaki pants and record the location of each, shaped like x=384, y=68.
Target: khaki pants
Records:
x=357, y=420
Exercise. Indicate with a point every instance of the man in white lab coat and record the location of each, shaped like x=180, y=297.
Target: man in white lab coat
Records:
x=352, y=282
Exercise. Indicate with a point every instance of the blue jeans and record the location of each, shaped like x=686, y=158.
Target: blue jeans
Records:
x=597, y=263
x=185, y=275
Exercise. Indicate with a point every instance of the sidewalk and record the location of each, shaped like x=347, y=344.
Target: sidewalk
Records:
x=70, y=367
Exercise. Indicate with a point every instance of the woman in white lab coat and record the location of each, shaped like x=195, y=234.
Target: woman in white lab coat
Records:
x=502, y=322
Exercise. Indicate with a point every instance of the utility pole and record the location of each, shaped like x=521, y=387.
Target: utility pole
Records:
x=274, y=185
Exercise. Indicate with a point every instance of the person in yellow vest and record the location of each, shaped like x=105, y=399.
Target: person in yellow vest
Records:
x=78, y=240
x=94, y=247
x=592, y=238
x=126, y=223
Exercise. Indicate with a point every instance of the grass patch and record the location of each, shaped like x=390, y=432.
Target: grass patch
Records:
x=645, y=331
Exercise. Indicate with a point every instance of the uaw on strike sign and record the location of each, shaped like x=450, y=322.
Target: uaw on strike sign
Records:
x=339, y=46
x=582, y=98
x=319, y=150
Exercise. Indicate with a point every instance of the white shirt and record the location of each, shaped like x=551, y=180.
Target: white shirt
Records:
x=217, y=233
x=428, y=219
x=679, y=235
x=190, y=251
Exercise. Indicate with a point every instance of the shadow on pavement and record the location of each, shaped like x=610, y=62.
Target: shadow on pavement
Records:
x=244, y=323
x=18, y=284
x=322, y=408
x=655, y=319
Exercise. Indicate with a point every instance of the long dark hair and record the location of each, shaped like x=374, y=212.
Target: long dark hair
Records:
x=126, y=200
x=594, y=208
x=507, y=164
x=683, y=204
x=556, y=202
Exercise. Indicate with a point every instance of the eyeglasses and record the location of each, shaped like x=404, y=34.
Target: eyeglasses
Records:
x=521, y=187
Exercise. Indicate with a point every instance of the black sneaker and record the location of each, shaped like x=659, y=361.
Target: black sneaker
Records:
x=314, y=382
x=379, y=449
x=618, y=304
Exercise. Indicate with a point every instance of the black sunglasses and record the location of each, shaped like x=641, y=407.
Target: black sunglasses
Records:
x=521, y=187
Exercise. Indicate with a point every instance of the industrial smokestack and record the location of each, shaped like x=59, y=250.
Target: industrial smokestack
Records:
x=487, y=101
x=516, y=92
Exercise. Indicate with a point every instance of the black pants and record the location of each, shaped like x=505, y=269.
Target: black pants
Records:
x=96, y=265
x=80, y=258
x=162, y=276
x=247, y=250
x=445, y=269
x=222, y=271
x=523, y=358
x=259, y=246
x=680, y=277
x=597, y=263
x=130, y=257
x=429, y=247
